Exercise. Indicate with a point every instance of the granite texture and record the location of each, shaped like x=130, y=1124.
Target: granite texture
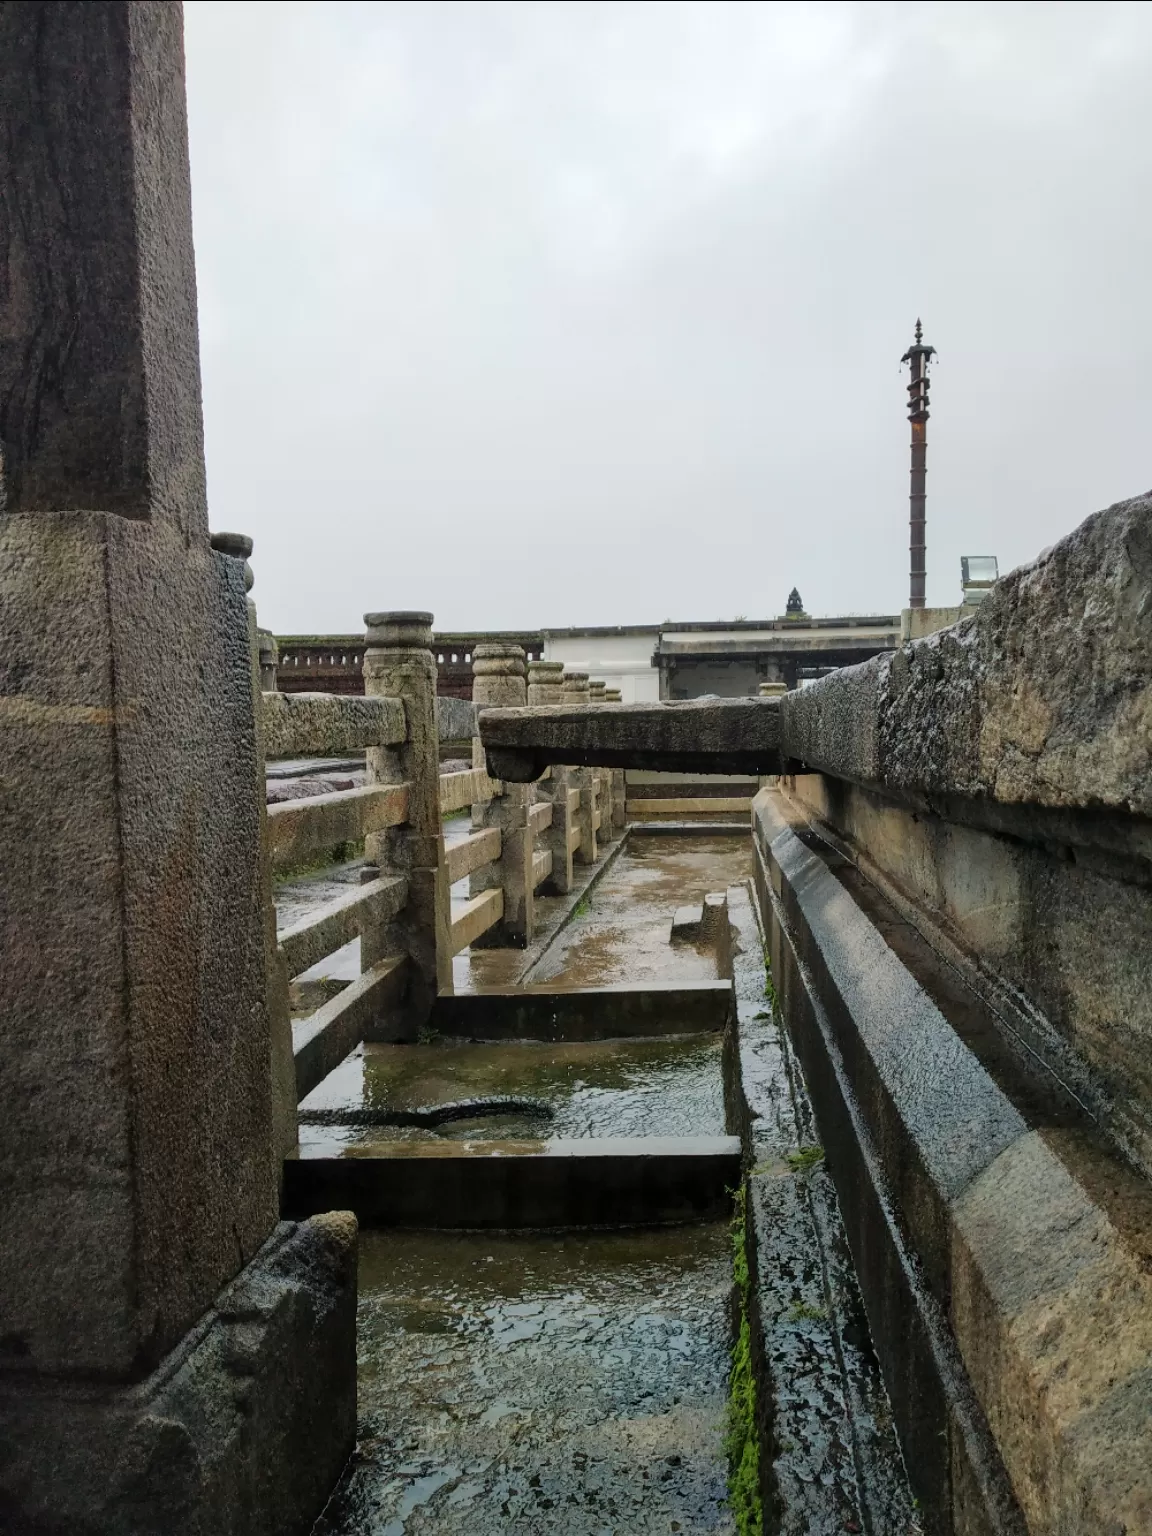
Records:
x=241, y=1431
x=699, y=736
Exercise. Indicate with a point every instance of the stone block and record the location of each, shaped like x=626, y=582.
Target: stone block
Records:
x=694, y=736
x=1043, y=697
x=241, y=1431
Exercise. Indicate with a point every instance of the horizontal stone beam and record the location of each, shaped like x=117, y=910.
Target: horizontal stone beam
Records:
x=476, y=917
x=472, y=853
x=694, y=736
x=714, y=804
x=1042, y=698
x=298, y=829
x=455, y=719
x=319, y=724
x=341, y=921
x=324, y=1039
x=471, y=786
x=541, y=867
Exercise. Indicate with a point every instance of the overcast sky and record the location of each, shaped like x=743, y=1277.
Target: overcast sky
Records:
x=551, y=314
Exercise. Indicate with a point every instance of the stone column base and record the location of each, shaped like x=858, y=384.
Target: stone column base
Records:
x=242, y=1431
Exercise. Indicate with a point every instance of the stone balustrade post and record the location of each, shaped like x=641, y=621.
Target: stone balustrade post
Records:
x=606, y=832
x=269, y=659
x=399, y=664
x=498, y=672
x=576, y=691
x=619, y=783
x=546, y=686
x=284, y=1121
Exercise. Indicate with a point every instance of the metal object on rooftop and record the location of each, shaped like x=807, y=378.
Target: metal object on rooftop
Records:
x=978, y=574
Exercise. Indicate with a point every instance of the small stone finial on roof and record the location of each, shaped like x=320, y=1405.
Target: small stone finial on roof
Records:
x=795, y=604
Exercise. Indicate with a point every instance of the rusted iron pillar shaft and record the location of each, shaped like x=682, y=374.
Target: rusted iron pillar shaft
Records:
x=917, y=518
x=917, y=357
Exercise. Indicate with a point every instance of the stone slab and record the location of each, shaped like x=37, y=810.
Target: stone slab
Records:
x=696, y=736
x=240, y=1431
x=592, y=1182
x=1043, y=697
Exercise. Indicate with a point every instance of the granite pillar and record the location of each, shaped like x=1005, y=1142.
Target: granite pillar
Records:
x=576, y=691
x=498, y=671
x=138, y=1179
x=399, y=664
x=546, y=686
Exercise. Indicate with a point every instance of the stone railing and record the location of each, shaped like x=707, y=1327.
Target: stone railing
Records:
x=524, y=839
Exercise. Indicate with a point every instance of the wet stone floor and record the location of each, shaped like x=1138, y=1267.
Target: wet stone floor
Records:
x=666, y=1087
x=544, y=1382
x=624, y=934
x=573, y=1383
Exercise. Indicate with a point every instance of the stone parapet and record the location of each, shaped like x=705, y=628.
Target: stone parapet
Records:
x=1042, y=698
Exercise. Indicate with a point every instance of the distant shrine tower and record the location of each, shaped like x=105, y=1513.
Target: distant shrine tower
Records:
x=917, y=357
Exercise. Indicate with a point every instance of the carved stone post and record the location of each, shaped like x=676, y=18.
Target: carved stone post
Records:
x=606, y=832
x=546, y=686
x=576, y=691
x=498, y=682
x=285, y=1130
x=269, y=654
x=399, y=664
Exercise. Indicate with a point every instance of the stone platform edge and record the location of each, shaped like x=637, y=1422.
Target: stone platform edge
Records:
x=242, y=1430
x=1006, y=1271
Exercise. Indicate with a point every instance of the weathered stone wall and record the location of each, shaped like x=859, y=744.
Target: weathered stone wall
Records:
x=999, y=776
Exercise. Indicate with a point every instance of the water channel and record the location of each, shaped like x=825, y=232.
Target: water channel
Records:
x=569, y=1381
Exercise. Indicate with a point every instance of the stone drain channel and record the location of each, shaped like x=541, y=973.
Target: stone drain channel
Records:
x=546, y=1281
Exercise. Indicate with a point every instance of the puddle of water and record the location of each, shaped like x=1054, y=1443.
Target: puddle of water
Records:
x=571, y=1383
x=667, y=1087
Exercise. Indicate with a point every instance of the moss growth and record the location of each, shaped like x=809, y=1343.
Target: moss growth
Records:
x=769, y=989
x=741, y=1442
x=804, y=1311
x=464, y=810
x=342, y=853
x=582, y=907
x=807, y=1158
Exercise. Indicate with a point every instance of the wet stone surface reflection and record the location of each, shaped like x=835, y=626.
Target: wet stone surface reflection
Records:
x=571, y=1383
x=665, y=1087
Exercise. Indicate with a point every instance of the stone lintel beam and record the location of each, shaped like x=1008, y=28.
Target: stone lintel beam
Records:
x=692, y=736
x=1040, y=702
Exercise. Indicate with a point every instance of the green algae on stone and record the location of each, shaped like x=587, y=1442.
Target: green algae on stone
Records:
x=741, y=1442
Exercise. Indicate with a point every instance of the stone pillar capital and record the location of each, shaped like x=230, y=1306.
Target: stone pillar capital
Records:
x=399, y=629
